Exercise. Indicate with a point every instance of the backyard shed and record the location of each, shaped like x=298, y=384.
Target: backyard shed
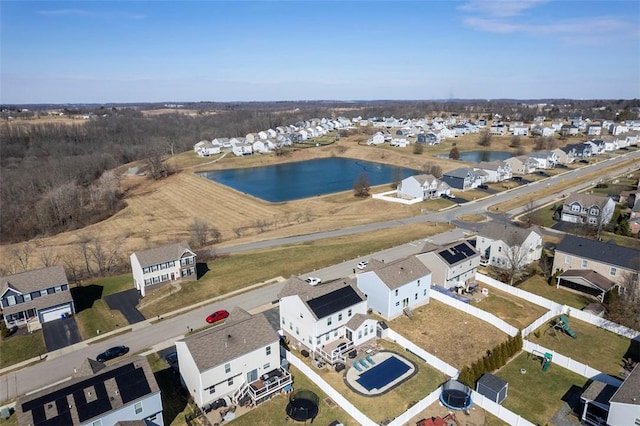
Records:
x=492, y=387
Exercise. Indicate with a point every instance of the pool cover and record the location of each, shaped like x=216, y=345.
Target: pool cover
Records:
x=380, y=375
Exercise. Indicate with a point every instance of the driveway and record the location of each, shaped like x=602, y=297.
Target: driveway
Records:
x=126, y=302
x=60, y=333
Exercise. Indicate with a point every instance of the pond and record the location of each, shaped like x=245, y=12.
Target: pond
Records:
x=478, y=156
x=293, y=181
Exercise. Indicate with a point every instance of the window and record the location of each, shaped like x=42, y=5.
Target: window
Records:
x=326, y=337
x=584, y=263
x=318, y=341
x=425, y=292
x=26, y=297
x=268, y=350
x=301, y=315
x=398, y=303
x=366, y=330
x=284, y=322
x=212, y=390
x=575, y=208
x=416, y=297
x=227, y=367
x=138, y=407
x=266, y=366
x=165, y=277
x=11, y=300
x=43, y=292
x=613, y=271
x=418, y=283
x=230, y=381
x=329, y=321
x=58, y=289
x=297, y=330
x=340, y=317
x=290, y=326
x=567, y=259
x=97, y=423
x=360, y=334
x=146, y=270
x=396, y=292
x=349, y=313
x=500, y=249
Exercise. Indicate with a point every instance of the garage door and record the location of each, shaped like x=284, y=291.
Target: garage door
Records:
x=54, y=314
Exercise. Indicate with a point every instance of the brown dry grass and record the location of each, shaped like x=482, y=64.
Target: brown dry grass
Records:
x=453, y=336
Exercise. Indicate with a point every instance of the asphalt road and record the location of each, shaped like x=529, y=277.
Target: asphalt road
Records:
x=144, y=335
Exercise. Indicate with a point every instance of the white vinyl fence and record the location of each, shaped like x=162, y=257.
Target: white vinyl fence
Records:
x=478, y=313
x=421, y=405
x=430, y=359
x=498, y=410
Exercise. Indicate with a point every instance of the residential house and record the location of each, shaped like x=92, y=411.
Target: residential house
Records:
x=582, y=150
x=634, y=217
x=569, y=130
x=271, y=134
x=521, y=165
x=498, y=129
x=263, y=146
x=508, y=246
x=399, y=142
x=612, y=405
x=606, y=258
x=496, y=171
x=237, y=359
x=462, y=178
x=587, y=209
x=376, y=139
x=542, y=131
x=117, y=394
x=544, y=159
x=566, y=155
x=262, y=135
x=162, y=264
x=618, y=129
x=423, y=187
x=328, y=320
x=453, y=265
x=585, y=281
x=39, y=295
x=206, y=148
x=597, y=146
x=429, y=138
x=395, y=287
x=520, y=130
x=242, y=148
x=593, y=130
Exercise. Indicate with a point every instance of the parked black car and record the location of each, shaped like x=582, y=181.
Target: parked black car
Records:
x=483, y=186
x=112, y=353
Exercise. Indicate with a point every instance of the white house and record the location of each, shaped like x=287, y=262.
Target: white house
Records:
x=376, y=139
x=423, y=187
x=454, y=265
x=496, y=171
x=328, y=319
x=122, y=393
x=587, y=209
x=206, y=148
x=544, y=159
x=237, y=359
x=508, y=246
x=521, y=165
x=239, y=149
x=161, y=264
x=617, y=405
x=394, y=287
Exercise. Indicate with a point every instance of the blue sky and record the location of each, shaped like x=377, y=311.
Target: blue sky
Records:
x=166, y=51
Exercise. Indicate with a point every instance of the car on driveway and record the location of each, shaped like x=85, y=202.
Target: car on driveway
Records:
x=483, y=186
x=313, y=280
x=172, y=360
x=217, y=316
x=448, y=196
x=363, y=264
x=112, y=353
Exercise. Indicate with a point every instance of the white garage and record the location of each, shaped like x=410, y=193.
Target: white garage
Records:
x=54, y=313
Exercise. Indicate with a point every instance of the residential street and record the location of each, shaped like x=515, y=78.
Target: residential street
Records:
x=60, y=364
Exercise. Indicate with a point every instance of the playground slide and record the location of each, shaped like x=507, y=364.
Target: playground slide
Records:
x=566, y=328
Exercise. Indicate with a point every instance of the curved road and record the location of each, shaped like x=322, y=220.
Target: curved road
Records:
x=145, y=336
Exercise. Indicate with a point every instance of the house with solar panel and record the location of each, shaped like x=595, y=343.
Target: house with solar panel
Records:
x=453, y=265
x=162, y=264
x=35, y=297
x=327, y=320
x=97, y=395
x=396, y=287
x=239, y=360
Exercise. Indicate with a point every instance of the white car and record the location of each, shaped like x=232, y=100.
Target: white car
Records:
x=313, y=280
x=363, y=264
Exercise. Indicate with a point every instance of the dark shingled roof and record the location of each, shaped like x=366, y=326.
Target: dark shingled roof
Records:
x=400, y=272
x=608, y=253
x=162, y=254
x=629, y=391
x=36, y=279
x=589, y=275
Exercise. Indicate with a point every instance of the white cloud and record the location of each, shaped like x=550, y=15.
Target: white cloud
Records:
x=500, y=8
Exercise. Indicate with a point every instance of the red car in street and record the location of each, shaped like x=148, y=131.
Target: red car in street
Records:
x=217, y=316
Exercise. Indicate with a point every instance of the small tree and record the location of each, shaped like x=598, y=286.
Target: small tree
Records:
x=4, y=331
x=432, y=169
x=515, y=141
x=418, y=148
x=361, y=186
x=485, y=138
x=215, y=235
x=454, y=154
x=199, y=232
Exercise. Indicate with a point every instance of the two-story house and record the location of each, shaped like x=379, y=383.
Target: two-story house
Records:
x=521, y=165
x=613, y=261
x=328, y=320
x=587, y=209
x=97, y=395
x=462, y=178
x=40, y=294
x=161, y=264
x=423, y=187
x=544, y=159
x=496, y=171
x=453, y=265
x=508, y=247
x=237, y=359
x=395, y=287
x=565, y=155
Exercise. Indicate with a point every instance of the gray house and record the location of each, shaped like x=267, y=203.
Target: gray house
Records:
x=462, y=178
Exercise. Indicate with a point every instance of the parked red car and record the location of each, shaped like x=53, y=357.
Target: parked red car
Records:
x=217, y=316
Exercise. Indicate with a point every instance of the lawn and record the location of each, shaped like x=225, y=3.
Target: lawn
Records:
x=453, y=336
x=99, y=317
x=537, y=395
x=598, y=348
x=392, y=404
x=537, y=285
x=515, y=311
x=273, y=412
x=21, y=347
x=174, y=404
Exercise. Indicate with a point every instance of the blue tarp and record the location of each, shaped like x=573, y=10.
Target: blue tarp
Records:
x=450, y=293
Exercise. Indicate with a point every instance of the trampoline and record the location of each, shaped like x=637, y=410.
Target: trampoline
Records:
x=455, y=395
x=380, y=375
x=303, y=406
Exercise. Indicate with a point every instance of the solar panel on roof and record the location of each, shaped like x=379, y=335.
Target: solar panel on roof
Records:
x=133, y=385
x=452, y=257
x=468, y=251
x=333, y=302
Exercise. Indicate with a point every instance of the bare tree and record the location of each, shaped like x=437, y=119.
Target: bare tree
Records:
x=361, y=186
x=432, y=169
x=623, y=307
x=84, y=241
x=215, y=235
x=22, y=253
x=529, y=211
x=48, y=257
x=515, y=141
x=200, y=232
x=71, y=268
x=158, y=168
x=515, y=252
x=485, y=138
x=454, y=154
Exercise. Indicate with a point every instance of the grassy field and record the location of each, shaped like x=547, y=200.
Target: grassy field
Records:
x=537, y=285
x=537, y=395
x=21, y=347
x=515, y=311
x=598, y=348
x=453, y=336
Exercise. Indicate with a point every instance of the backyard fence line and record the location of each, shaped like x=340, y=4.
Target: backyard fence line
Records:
x=416, y=409
x=476, y=312
x=430, y=359
x=330, y=391
x=570, y=364
x=498, y=410
x=547, y=316
x=558, y=309
x=386, y=196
